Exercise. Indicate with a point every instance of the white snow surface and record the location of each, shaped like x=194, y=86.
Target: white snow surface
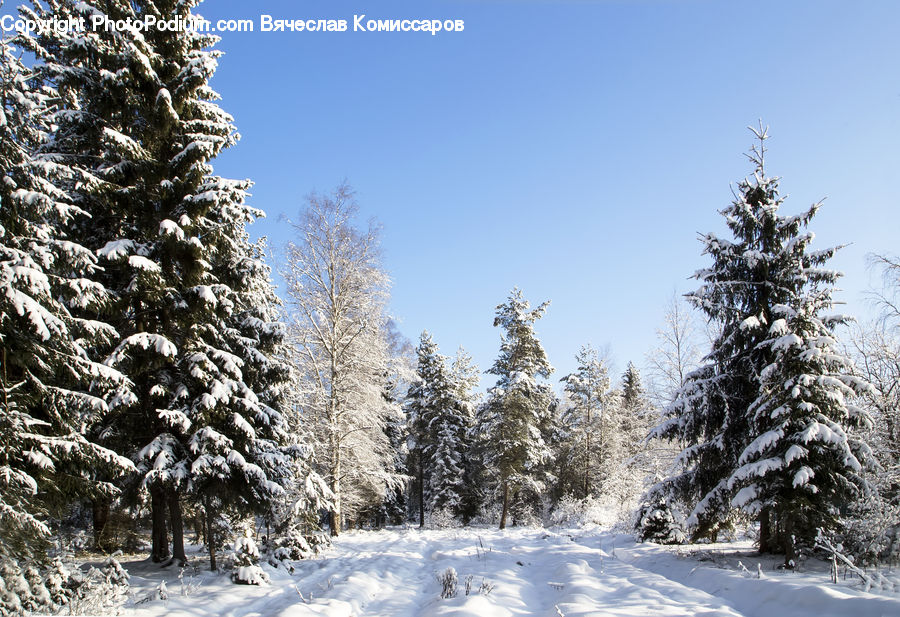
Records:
x=547, y=572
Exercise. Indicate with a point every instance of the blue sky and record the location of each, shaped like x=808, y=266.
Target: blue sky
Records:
x=574, y=149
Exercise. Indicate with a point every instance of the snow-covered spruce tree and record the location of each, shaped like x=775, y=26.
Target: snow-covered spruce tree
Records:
x=49, y=388
x=586, y=393
x=240, y=454
x=138, y=113
x=755, y=281
x=636, y=416
x=401, y=372
x=464, y=379
x=804, y=463
x=516, y=417
x=449, y=421
x=338, y=293
x=246, y=569
x=419, y=399
x=440, y=419
x=392, y=511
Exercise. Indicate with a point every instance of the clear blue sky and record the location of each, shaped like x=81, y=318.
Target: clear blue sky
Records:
x=574, y=149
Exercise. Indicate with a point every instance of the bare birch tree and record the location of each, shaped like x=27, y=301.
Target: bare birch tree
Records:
x=338, y=293
x=678, y=352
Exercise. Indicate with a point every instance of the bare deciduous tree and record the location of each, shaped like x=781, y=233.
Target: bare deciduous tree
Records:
x=338, y=293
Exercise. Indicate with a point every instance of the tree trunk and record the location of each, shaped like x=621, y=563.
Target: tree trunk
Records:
x=505, y=505
x=100, y=512
x=334, y=522
x=177, y=525
x=421, y=491
x=159, y=536
x=587, y=466
x=765, y=531
x=210, y=534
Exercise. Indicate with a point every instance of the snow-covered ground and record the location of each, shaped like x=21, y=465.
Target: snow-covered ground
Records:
x=516, y=572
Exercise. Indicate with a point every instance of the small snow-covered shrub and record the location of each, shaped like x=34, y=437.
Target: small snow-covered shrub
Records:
x=14, y=590
x=658, y=523
x=294, y=545
x=99, y=591
x=442, y=518
x=449, y=581
x=572, y=512
x=56, y=580
x=246, y=568
x=870, y=532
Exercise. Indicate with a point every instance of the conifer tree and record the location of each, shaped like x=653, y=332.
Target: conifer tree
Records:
x=765, y=274
x=464, y=379
x=441, y=417
x=137, y=113
x=518, y=412
x=804, y=462
x=50, y=388
x=636, y=410
x=587, y=390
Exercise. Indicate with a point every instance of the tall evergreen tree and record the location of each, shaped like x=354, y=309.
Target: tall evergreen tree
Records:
x=764, y=271
x=586, y=390
x=416, y=407
x=440, y=412
x=517, y=414
x=464, y=378
x=804, y=463
x=137, y=113
x=50, y=389
x=636, y=410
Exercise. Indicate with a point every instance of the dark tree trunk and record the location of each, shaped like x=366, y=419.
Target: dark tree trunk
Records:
x=210, y=535
x=505, y=505
x=199, y=528
x=765, y=530
x=100, y=512
x=421, y=492
x=160, y=538
x=177, y=525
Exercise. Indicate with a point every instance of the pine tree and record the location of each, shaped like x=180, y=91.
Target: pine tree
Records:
x=440, y=412
x=137, y=113
x=518, y=412
x=49, y=386
x=583, y=453
x=804, y=462
x=754, y=278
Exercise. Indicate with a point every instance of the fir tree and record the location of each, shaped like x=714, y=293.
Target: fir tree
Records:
x=464, y=379
x=804, y=462
x=137, y=113
x=50, y=389
x=440, y=412
x=754, y=280
x=586, y=391
x=518, y=412
x=417, y=407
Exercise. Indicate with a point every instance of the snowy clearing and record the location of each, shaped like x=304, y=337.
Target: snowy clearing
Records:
x=516, y=572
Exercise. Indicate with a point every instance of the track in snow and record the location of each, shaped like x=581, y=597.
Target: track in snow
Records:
x=530, y=572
